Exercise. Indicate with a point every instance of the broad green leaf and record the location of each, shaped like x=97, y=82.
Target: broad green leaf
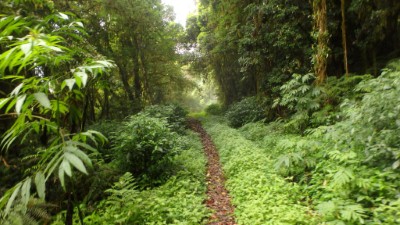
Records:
x=3, y=102
x=79, y=24
x=40, y=183
x=14, y=78
x=54, y=48
x=16, y=90
x=98, y=134
x=83, y=156
x=76, y=162
x=20, y=102
x=78, y=81
x=26, y=48
x=61, y=176
x=86, y=146
x=70, y=83
x=66, y=167
x=17, y=58
x=12, y=198
x=396, y=164
x=43, y=99
x=52, y=165
x=63, y=16
x=26, y=192
x=83, y=76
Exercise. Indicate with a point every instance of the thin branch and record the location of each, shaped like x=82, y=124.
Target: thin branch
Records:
x=5, y=162
x=16, y=115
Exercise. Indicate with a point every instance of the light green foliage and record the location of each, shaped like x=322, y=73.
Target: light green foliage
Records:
x=175, y=115
x=177, y=201
x=333, y=92
x=214, y=109
x=246, y=111
x=299, y=96
x=260, y=133
x=260, y=195
x=365, y=152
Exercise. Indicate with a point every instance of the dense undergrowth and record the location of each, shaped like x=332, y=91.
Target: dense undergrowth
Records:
x=333, y=161
x=260, y=195
x=162, y=168
x=177, y=201
x=151, y=171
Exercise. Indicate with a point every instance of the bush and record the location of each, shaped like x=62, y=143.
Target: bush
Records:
x=175, y=115
x=299, y=97
x=214, y=109
x=246, y=111
x=349, y=169
x=145, y=147
x=178, y=201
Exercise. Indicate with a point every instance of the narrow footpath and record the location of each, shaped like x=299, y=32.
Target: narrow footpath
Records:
x=218, y=197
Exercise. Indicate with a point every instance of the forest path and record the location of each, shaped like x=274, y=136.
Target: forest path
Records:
x=218, y=197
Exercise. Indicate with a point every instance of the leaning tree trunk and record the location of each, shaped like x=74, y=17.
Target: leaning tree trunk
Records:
x=320, y=17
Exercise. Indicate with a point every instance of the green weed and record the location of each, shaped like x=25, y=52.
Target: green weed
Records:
x=260, y=195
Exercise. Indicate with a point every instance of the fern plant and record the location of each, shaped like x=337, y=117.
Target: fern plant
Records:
x=299, y=96
x=37, y=213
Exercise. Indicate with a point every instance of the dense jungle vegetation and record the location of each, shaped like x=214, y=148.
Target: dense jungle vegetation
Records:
x=301, y=99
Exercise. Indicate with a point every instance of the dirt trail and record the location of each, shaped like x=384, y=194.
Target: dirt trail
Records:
x=218, y=197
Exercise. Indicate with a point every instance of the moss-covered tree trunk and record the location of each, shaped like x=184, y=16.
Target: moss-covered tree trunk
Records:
x=321, y=28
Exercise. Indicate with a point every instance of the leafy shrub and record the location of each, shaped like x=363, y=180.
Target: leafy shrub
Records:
x=145, y=147
x=175, y=115
x=300, y=97
x=348, y=169
x=214, y=109
x=246, y=111
x=258, y=131
x=333, y=92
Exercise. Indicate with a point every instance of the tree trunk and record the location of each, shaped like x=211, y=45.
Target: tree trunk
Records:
x=320, y=17
x=145, y=76
x=344, y=41
x=105, y=109
x=124, y=78
x=136, y=69
x=70, y=210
